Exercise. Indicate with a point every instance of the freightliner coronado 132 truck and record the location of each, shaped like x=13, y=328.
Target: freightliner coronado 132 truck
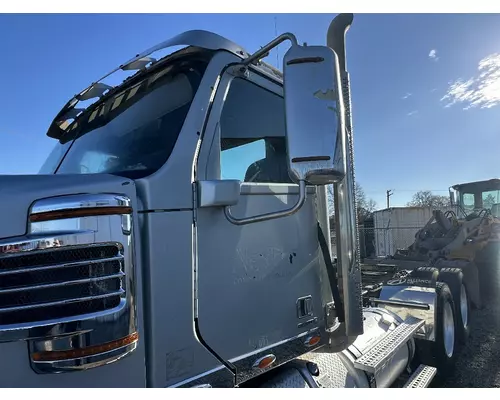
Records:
x=139, y=257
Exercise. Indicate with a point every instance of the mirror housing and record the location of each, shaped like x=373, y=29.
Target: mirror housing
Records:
x=218, y=193
x=452, y=198
x=315, y=122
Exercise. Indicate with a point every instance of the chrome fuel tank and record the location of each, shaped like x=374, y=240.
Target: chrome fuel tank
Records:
x=377, y=323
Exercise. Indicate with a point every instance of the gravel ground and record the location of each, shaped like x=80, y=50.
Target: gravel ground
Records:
x=478, y=364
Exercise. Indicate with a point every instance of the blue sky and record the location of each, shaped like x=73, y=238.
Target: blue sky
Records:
x=406, y=137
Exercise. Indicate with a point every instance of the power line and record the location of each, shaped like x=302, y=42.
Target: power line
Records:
x=406, y=190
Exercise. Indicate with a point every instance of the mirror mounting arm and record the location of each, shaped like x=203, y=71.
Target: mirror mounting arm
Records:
x=272, y=215
x=263, y=52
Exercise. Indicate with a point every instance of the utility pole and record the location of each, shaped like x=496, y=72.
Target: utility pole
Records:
x=389, y=194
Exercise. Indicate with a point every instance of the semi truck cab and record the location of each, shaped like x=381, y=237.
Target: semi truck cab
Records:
x=129, y=259
x=177, y=235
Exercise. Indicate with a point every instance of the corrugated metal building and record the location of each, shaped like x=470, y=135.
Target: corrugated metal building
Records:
x=395, y=227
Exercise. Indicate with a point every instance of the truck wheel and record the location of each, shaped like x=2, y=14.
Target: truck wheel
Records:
x=441, y=353
x=454, y=278
x=471, y=274
x=471, y=277
x=423, y=276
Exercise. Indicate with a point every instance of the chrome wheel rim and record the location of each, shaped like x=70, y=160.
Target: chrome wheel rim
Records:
x=449, y=330
x=464, y=310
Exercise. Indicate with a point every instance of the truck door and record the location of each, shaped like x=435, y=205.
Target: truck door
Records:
x=257, y=286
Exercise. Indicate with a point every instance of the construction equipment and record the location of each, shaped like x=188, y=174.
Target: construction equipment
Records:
x=468, y=237
x=136, y=258
x=479, y=205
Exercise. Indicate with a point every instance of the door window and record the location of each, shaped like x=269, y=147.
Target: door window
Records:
x=468, y=202
x=253, y=142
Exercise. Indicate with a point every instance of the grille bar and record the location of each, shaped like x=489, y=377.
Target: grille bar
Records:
x=61, y=282
x=58, y=255
x=119, y=292
x=61, y=265
x=67, y=283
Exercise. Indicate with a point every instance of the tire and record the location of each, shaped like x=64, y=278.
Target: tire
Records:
x=423, y=276
x=470, y=271
x=454, y=278
x=442, y=352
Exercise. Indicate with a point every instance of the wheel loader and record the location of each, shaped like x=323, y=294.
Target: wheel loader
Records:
x=467, y=237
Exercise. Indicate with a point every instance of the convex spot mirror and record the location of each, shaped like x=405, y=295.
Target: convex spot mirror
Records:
x=314, y=108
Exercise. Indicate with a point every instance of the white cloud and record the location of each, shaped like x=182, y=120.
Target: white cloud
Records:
x=482, y=90
x=433, y=55
x=412, y=113
x=406, y=96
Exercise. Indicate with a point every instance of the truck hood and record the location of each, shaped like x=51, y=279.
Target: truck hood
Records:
x=18, y=192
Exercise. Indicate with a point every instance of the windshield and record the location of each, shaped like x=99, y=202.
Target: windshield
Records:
x=475, y=201
x=132, y=133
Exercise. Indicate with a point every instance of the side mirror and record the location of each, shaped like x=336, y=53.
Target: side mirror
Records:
x=452, y=198
x=315, y=122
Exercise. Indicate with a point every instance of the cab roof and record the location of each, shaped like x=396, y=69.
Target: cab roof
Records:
x=479, y=186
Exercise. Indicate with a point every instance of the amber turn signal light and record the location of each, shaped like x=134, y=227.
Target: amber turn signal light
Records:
x=62, y=355
x=265, y=361
x=313, y=340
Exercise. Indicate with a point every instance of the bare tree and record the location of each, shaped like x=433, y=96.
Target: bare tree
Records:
x=488, y=201
x=331, y=204
x=425, y=198
x=366, y=206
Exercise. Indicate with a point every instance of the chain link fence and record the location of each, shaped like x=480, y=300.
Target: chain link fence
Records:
x=392, y=229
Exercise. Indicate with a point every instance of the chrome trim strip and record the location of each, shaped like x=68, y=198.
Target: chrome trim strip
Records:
x=284, y=351
x=63, y=265
x=66, y=283
x=202, y=375
x=77, y=201
x=62, y=302
x=32, y=243
x=272, y=346
x=407, y=304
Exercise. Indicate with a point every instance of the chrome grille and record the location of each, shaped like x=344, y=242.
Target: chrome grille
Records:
x=54, y=283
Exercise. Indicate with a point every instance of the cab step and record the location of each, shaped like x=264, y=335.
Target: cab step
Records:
x=421, y=378
x=383, y=351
